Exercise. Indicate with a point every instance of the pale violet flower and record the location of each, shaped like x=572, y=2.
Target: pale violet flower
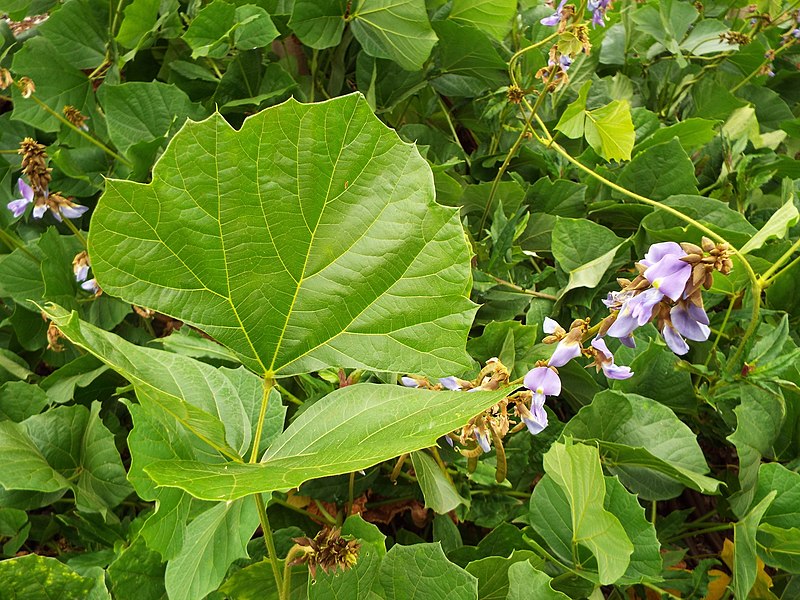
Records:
x=18, y=206
x=409, y=382
x=90, y=286
x=665, y=269
x=543, y=382
x=605, y=360
x=555, y=18
x=686, y=320
x=482, y=437
x=450, y=383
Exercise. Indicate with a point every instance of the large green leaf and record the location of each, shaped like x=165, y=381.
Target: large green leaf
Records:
x=784, y=511
x=79, y=32
x=141, y=111
x=492, y=16
x=778, y=226
x=468, y=62
x=759, y=417
x=609, y=130
x=309, y=238
x=440, y=494
x=353, y=428
x=576, y=469
x=584, y=250
x=642, y=441
x=395, y=29
x=660, y=171
x=422, y=571
x=213, y=541
x=318, y=23
x=646, y=561
x=65, y=448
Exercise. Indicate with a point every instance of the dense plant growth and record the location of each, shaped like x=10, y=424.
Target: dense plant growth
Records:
x=399, y=299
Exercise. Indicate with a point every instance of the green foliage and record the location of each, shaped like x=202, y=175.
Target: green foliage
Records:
x=300, y=215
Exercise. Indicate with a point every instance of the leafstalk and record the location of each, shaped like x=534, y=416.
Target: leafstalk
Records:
x=765, y=277
x=270, y=544
x=71, y=226
x=260, y=506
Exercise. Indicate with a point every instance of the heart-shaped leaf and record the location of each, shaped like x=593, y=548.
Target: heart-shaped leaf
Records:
x=310, y=238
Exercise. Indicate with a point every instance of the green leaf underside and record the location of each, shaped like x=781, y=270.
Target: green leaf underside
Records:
x=259, y=243
x=385, y=420
x=197, y=395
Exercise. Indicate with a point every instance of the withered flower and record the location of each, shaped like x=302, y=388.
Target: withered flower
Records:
x=328, y=550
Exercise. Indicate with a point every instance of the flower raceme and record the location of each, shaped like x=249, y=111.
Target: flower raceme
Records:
x=667, y=291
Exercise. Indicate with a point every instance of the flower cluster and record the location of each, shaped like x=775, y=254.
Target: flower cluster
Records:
x=667, y=291
x=34, y=167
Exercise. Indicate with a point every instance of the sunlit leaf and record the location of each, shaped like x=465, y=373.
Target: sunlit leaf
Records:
x=325, y=250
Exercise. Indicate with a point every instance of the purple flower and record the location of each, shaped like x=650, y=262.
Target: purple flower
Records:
x=536, y=418
x=568, y=348
x=665, y=269
x=410, y=382
x=674, y=340
x=70, y=212
x=555, y=18
x=605, y=359
x=91, y=286
x=635, y=312
x=686, y=320
x=565, y=62
x=598, y=8
x=81, y=272
x=542, y=381
x=796, y=33
x=482, y=437
x=18, y=206
x=690, y=321
x=39, y=210
x=551, y=326
x=451, y=383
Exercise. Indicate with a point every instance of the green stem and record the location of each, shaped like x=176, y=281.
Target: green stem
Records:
x=288, y=395
x=82, y=133
x=769, y=282
x=661, y=591
x=453, y=132
x=287, y=572
x=766, y=275
x=270, y=544
x=523, y=290
x=350, y=486
x=762, y=65
x=301, y=511
x=721, y=329
x=268, y=384
x=326, y=515
x=719, y=527
x=71, y=226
